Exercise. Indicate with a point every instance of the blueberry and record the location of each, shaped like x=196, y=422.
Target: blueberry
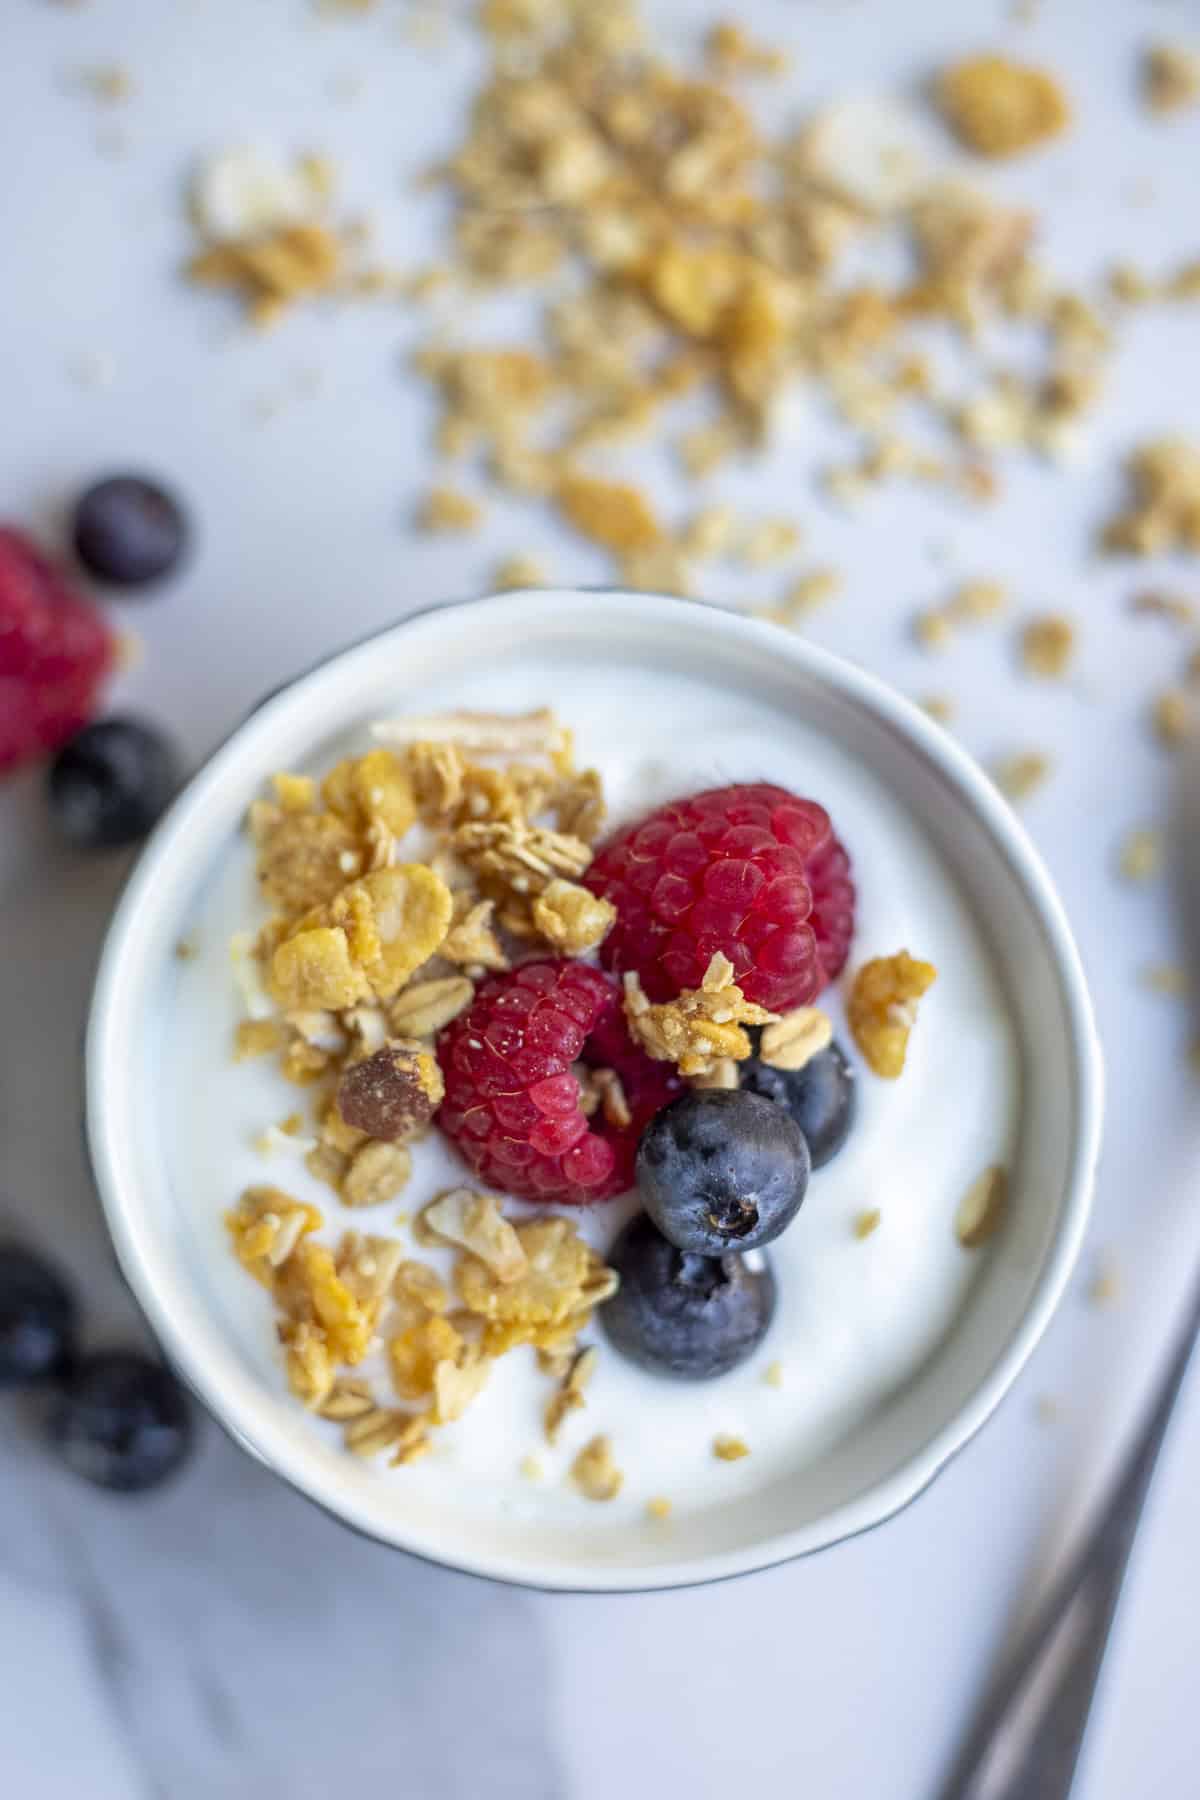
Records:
x=129, y=531
x=722, y=1170
x=822, y=1097
x=37, y=1319
x=692, y=1317
x=110, y=783
x=124, y=1422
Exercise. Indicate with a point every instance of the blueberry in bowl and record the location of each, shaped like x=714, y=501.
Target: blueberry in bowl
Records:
x=721, y=1169
x=679, y=1314
x=822, y=1097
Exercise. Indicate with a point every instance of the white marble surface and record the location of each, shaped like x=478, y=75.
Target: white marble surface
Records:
x=224, y=1638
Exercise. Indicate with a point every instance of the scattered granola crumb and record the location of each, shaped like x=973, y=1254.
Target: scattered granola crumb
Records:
x=256, y=1037
x=982, y=1209
x=110, y=83
x=1168, y=979
x=658, y=1508
x=940, y=707
x=1154, y=603
x=976, y=601
x=882, y=1009
x=1171, y=78
x=701, y=1027
x=1048, y=646
x=731, y=52
x=445, y=509
x=1000, y=108
x=1173, y=717
x=1105, y=1287
x=773, y=1374
x=1020, y=775
x=729, y=1449
x=1165, y=510
x=792, y=1041
x=768, y=541
x=595, y=1473
x=611, y=513
x=1140, y=854
x=187, y=949
x=867, y=1222
x=530, y=1468
x=520, y=572
x=570, y=1393
x=1047, y=1410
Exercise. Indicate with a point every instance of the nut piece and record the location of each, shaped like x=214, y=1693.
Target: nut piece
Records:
x=377, y=1174
x=998, y=107
x=475, y=1223
x=595, y=1473
x=571, y=918
x=982, y=1209
x=882, y=1009
x=792, y=1041
x=392, y=1093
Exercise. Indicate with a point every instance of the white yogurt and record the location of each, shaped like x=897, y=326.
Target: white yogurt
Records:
x=855, y=1318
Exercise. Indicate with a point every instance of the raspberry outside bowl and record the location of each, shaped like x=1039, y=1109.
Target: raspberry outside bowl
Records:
x=546, y=638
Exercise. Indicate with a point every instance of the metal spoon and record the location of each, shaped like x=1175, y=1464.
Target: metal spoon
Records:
x=1026, y=1741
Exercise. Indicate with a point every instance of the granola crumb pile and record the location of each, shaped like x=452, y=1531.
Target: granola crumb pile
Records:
x=393, y=885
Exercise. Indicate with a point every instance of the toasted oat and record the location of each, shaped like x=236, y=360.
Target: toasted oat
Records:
x=1169, y=979
x=376, y=1174
x=256, y=1037
x=524, y=857
x=866, y=1223
x=773, y=1374
x=427, y=1007
x=347, y=1399
x=456, y=1382
x=657, y=569
x=1165, y=509
x=1020, y=775
x=768, y=541
x=882, y=1009
x=733, y=53
x=531, y=1468
x=445, y=509
x=1048, y=646
x=1173, y=717
x=1171, y=78
x=699, y=1027
x=729, y=1449
x=1106, y=1287
x=570, y=1393
x=939, y=707
x=571, y=918
x=982, y=1209
x=811, y=591
x=520, y=572
x=932, y=629
x=999, y=107
x=614, y=1105
x=475, y=1223
x=471, y=941
x=721, y=1072
x=793, y=1040
x=610, y=513
x=595, y=1473
x=1153, y=603
x=709, y=533
x=579, y=806
x=423, y=1286
x=547, y=1305
x=1140, y=854
x=658, y=1508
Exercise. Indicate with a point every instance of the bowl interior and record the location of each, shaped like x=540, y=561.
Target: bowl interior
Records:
x=880, y=1465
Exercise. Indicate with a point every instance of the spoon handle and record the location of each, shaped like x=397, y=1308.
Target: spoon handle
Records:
x=1026, y=1742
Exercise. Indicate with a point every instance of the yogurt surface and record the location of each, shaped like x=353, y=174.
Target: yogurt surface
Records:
x=855, y=1317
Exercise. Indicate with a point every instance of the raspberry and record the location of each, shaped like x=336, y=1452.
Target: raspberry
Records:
x=55, y=650
x=752, y=871
x=512, y=1099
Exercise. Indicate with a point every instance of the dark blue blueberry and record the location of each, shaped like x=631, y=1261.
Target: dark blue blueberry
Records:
x=719, y=1170
x=822, y=1097
x=108, y=786
x=124, y=1422
x=37, y=1319
x=129, y=530
x=692, y=1317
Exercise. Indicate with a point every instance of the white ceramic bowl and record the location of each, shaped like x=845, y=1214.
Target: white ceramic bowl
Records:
x=891, y=1457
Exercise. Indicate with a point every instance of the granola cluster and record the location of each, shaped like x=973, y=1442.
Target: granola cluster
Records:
x=882, y=1009
x=703, y=1029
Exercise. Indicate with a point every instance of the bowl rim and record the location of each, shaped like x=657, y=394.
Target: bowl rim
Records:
x=165, y=1306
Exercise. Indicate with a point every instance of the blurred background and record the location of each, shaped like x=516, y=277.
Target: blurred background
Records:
x=229, y=266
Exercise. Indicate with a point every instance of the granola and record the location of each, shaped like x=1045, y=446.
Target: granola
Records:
x=882, y=1009
x=999, y=107
x=701, y=1027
